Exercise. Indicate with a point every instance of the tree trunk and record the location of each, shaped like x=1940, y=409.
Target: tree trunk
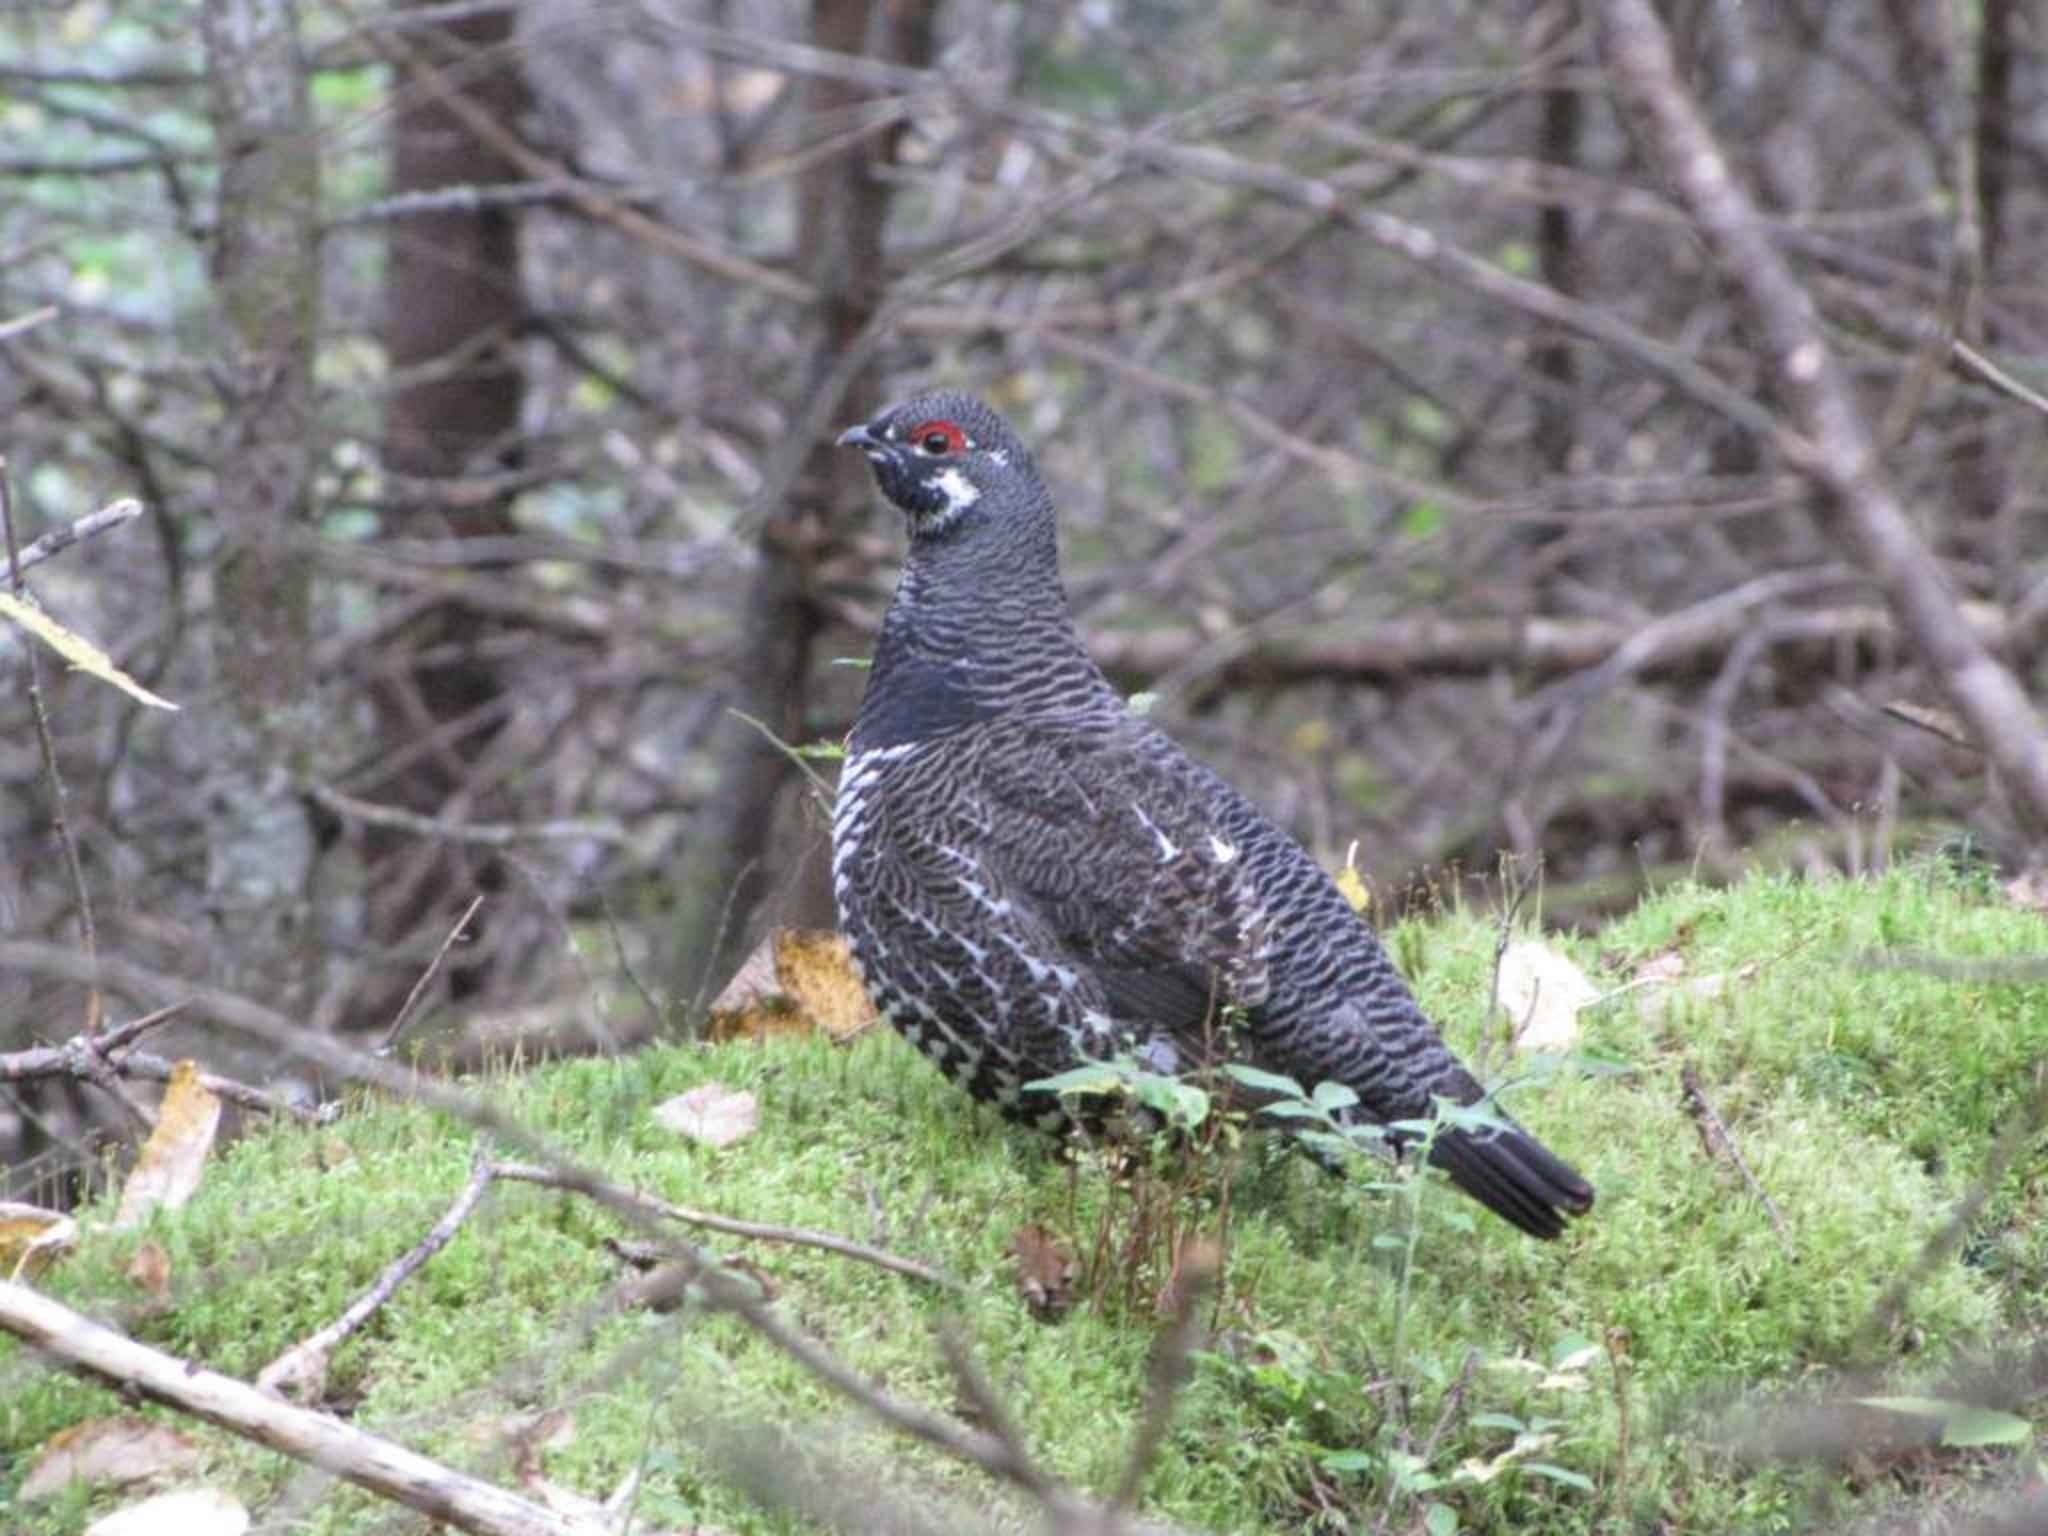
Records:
x=454, y=312
x=258, y=727
x=841, y=210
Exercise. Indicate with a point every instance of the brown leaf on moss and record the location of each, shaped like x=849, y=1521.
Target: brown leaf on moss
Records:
x=123, y=1448
x=799, y=981
x=1046, y=1272
x=711, y=1113
x=150, y=1270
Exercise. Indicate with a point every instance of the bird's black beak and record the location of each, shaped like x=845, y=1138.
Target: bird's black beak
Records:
x=856, y=437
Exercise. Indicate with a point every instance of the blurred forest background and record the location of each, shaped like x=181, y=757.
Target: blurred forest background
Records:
x=475, y=365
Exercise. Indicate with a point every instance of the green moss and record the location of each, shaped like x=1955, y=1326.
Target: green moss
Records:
x=1863, y=1099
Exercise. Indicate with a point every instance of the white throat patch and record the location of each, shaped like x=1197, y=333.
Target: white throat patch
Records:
x=960, y=493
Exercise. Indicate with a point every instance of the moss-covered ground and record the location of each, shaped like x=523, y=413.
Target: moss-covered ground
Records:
x=1330, y=1395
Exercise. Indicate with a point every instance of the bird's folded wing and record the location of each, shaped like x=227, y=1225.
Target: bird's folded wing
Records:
x=1109, y=843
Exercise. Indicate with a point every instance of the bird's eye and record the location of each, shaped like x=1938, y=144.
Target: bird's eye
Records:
x=938, y=438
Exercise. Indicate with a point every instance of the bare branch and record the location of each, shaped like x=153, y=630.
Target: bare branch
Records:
x=1838, y=450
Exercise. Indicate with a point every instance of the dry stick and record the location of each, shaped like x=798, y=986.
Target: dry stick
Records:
x=156, y=1069
x=89, y=1349
x=57, y=540
x=1990, y=373
x=1169, y=1373
x=528, y=1173
x=1502, y=940
x=9, y=329
x=412, y=998
x=85, y=1055
x=1451, y=1403
x=490, y=834
x=94, y=1005
x=2018, y=1135
x=306, y=1361
x=1617, y=1354
x=982, y=1402
x=1715, y=1137
x=1836, y=450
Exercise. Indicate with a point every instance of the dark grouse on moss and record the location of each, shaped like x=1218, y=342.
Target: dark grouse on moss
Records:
x=1030, y=877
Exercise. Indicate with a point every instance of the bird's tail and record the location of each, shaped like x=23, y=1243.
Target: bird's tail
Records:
x=1514, y=1175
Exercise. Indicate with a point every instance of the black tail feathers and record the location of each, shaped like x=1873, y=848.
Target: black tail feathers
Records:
x=1514, y=1175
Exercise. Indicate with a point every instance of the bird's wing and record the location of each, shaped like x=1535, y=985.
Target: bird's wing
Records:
x=1104, y=834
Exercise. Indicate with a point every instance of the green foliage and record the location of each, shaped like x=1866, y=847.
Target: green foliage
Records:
x=1380, y=1353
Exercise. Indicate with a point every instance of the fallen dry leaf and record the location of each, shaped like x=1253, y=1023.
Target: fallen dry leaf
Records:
x=173, y=1160
x=124, y=1448
x=798, y=981
x=2029, y=890
x=1542, y=991
x=711, y=1113
x=30, y=1237
x=150, y=1269
x=1667, y=965
x=1046, y=1272
x=83, y=655
x=188, y=1512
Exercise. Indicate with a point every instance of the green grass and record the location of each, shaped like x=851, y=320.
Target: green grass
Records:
x=1864, y=1099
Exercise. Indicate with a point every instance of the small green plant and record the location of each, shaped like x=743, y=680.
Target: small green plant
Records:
x=1168, y=1162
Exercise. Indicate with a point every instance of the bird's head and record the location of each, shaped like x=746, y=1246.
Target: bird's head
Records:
x=940, y=456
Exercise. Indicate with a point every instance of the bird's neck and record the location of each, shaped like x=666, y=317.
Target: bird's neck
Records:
x=971, y=635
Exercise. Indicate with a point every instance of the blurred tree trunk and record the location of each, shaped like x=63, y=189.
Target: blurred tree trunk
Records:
x=1997, y=159
x=252, y=736
x=841, y=212
x=454, y=311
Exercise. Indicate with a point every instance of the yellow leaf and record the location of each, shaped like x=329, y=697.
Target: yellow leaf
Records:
x=30, y=1237
x=76, y=649
x=1351, y=884
x=174, y=1158
x=799, y=981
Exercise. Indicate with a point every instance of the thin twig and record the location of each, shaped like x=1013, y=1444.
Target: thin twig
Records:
x=489, y=834
x=1171, y=1353
x=1976, y=362
x=87, y=932
x=57, y=540
x=2018, y=1134
x=90, y=1349
x=1714, y=1135
x=983, y=1404
x=9, y=329
x=399, y=1020
x=732, y=1226
x=89, y=1057
x=306, y=1361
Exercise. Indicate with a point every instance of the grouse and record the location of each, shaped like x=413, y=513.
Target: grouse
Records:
x=1031, y=877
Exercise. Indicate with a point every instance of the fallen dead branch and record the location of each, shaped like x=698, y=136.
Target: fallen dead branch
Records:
x=87, y=1348
x=301, y=1371
x=102, y=1058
